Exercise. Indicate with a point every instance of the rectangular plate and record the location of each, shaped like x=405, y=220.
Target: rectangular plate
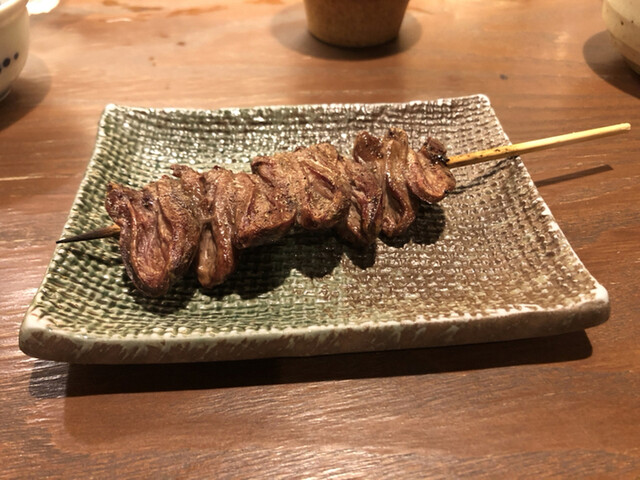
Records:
x=488, y=263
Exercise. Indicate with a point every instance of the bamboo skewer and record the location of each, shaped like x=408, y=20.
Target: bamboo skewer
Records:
x=453, y=162
x=536, y=145
x=104, y=232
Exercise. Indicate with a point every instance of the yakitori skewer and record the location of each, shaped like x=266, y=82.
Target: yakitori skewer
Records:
x=452, y=162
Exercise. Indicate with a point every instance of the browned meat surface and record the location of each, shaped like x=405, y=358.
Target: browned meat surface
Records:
x=159, y=232
x=204, y=219
x=399, y=204
x=363, y=221
x=327, y=193
x=284, y=175
x=312, y=181
x=262, y=216
x=425, y=176
x=217, y=253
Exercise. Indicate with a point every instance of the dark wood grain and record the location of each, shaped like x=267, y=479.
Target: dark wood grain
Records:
x=561, y=407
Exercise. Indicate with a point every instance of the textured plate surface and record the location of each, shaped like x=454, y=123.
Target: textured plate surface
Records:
x=488, y=263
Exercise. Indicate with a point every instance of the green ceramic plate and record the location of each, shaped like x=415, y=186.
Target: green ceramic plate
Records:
x=488, y=263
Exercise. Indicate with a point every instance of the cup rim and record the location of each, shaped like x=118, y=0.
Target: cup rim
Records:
x=10, y=7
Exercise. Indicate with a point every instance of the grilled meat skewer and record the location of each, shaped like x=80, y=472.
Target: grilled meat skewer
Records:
x=234, y=211
x=202, y=220
x=224, y=212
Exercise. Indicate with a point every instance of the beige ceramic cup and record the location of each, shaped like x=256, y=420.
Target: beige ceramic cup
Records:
x=355, y=23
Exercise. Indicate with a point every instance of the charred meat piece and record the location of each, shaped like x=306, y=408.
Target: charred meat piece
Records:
x=363, y=221
x=217, y=253
x=284, y=175
x=327, y=192
x=239, y=211
x=399, y=204
x=427, y=176
x=159, y=232
x=311, y=180
x=261, y=216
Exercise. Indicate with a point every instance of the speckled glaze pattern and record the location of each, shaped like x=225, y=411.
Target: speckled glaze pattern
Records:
x=488, y=263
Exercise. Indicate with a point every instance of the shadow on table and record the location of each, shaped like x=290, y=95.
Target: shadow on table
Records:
x=603, y=58
x=289, y=27
x=573, y=175
x=84, y=380
x=27, y=92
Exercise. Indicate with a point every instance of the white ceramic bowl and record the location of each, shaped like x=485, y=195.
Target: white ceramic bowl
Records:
x=622, y=18
x=14, y=41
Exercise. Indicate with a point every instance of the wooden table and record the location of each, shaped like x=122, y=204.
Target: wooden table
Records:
x=564, y=407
